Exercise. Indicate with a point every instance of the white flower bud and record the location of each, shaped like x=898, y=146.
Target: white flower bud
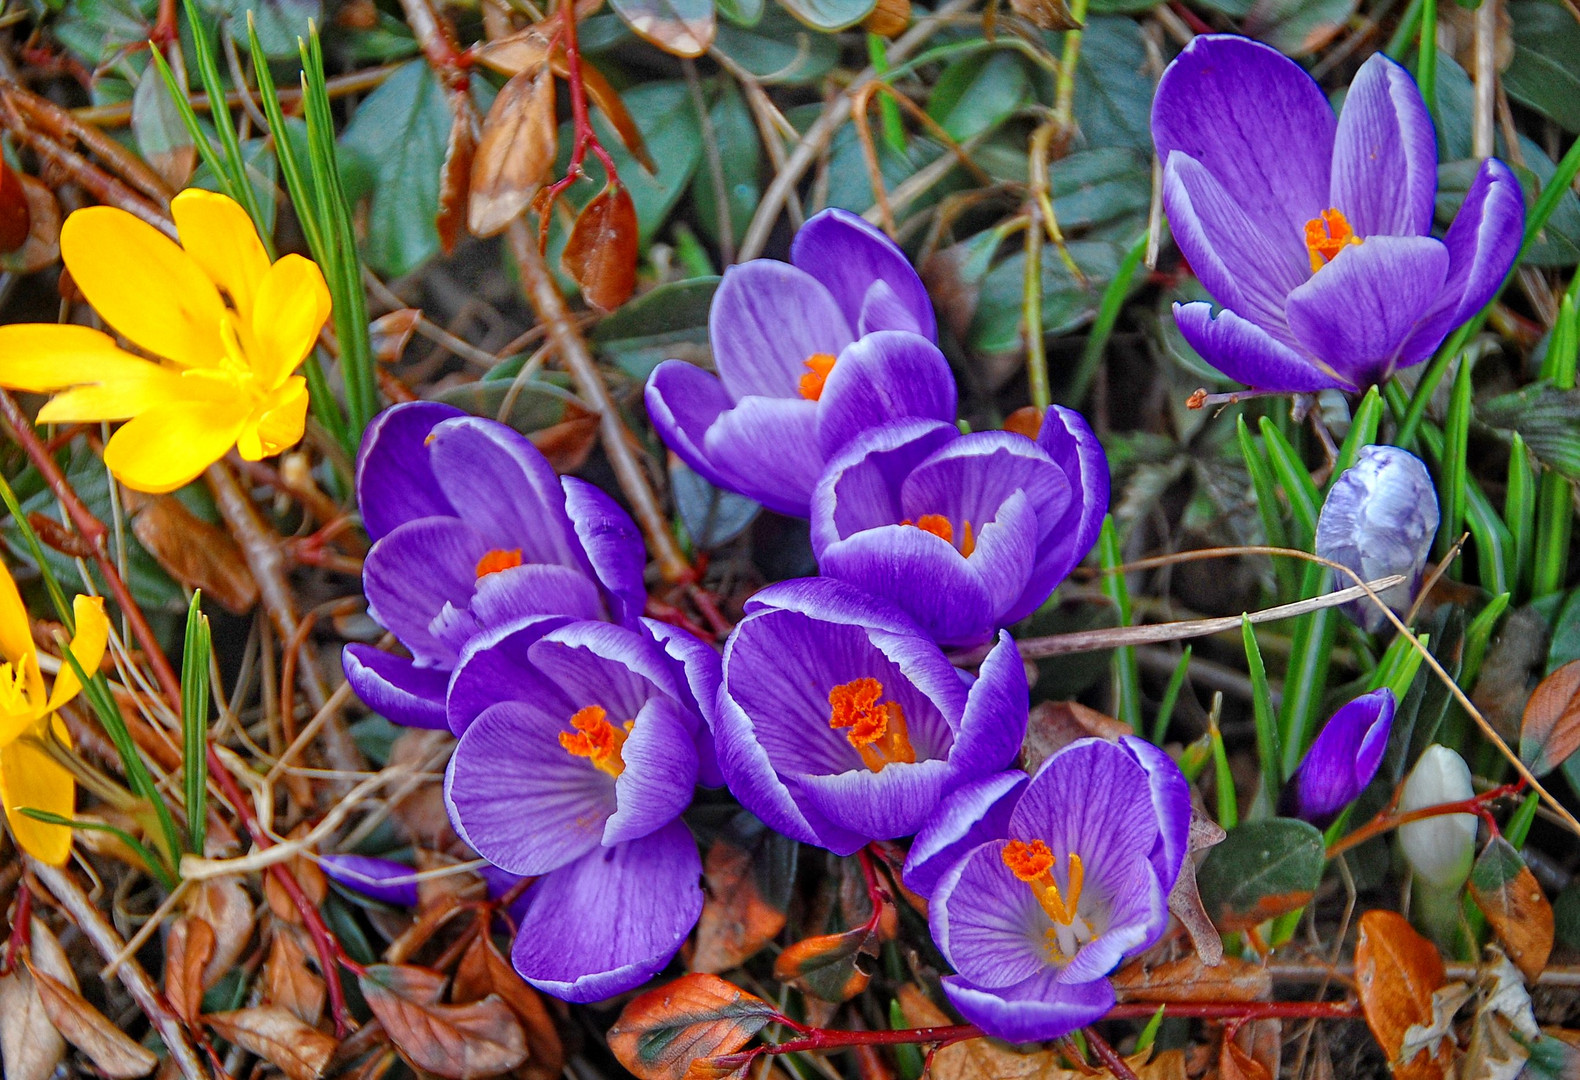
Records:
x=1439, y=849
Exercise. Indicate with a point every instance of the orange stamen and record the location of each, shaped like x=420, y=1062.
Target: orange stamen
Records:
x=818, y=366
x=1033, y=863
x=1028, y=862
x=596, y=739
x=497, y=560
x=1326, y=235
x=941, y=527
x=876, y=728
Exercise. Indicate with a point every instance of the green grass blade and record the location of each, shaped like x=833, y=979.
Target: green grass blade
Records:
x=1103, y=326
x=57, y=595
x=150, y=860
x=1452, y=467
x=1555, y=498
x=195, y=657
x=1228, y=800
x=1127, y=675
x=1519, y=513
x=1267, y=506
x=1171, y=694
x=1363, y=432
x=1310, y=651
x=1478, y=635
x=1267, y=748
x=234, y=173
x=1304, y=499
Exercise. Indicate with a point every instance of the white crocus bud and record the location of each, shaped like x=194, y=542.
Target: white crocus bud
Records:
x=1439, y=849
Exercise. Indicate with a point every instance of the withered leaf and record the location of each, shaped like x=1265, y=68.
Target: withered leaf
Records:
x=601, y=92
x=1188, y=979
x=679, y=27
x=1235, y=1064
x=279, y=1037
x=188, y=948
x=737, y=918
x=390, y=333
x=315, y=886
x=828, y=965
x=195, y=553
x=460, y=1042
x=289, y=982
x=483, y=971
x=90, y=1031
x=1053, y=725
x=1438, y=1031
x=1550, y=726
x=41, y=246
x=14, y=215
x=979, y=1059
x=661, y=1033
x=224, y=904
x=455, y=175
x=889, y=18
x=1516, y=908
x=600, y=253
x=524, y=51
x=516, y=153
x=1396, y=973
x=30, y=1047
x=1185, y=897
x=1046, y=14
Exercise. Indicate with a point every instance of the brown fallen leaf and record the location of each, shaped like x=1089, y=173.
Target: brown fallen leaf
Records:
x=289, y=982
x=663, y=1032
x=1188, y=979
x=1396, y=973
x=1046, y=14
x=978, y=1059
x=315, y=886
x=30, y=1047
x=456, y=172
x=737, y=920
x=483, y=971
x=188, y=948
x=460, y=1042
x=90, y=1031
x=14, y=215
x=195, y=553
x=279, y=1037
x=390, y=333
x=42, y=246
x=600, y=253
x=1235, y=1064
x=1550, y=725
x=224, y=904
x=1506, y=891
x=1053, y=725
x=889, y=18
x=516, y=152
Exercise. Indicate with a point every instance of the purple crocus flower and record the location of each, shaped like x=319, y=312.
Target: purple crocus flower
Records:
x=964, y=533
x=577, y=755
x=471, y=528
x=809, y=353
x=1342, y=760
x=381, y=879
x=1035, y=918
x=1379, y=518
x=1314, y=233
x=840, y=722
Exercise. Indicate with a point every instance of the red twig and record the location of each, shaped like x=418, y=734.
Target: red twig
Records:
x=1387, y=820
x=1109, y=1056
x=21, y=927
x=585, y=138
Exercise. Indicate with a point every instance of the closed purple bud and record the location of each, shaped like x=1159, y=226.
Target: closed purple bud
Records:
x=378, y=879
x=1343, y=759
x=1379, y=519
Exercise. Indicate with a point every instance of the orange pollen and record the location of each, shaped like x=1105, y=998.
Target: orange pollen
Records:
x=1326, y=236
x=876, y=728
x=497, y=560
x=1033, y=863
x=940, y=527
x=596, y=739
x=1028, y=862
x=818, y=366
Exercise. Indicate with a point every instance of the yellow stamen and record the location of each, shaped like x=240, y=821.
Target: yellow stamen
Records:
x=818, y=366
x=497, y=560
x=876, y=728
x=596, y=739
x=1033, y=864
x=1326, y=235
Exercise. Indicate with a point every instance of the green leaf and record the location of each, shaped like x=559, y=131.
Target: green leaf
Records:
x=830, y=14
x=1268, y=751
x=978, y=92
x=1545, y=71
x=669, y=321
x=195, y=658
x=1262, y=870
x=777, y=50
x=1113, y=84
x=746, y=13
x=711, y=517
x=1298, y=27
x=1545, y=418
x=1066, y=302
x=740, y=162
x=96, y=31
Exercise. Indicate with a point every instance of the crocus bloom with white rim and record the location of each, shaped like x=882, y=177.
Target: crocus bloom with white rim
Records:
x=1343, y=758
x=809, y=353
x=1034, y=918
x=965, y=533
x=1439, y=849
x=840, y=722
x=1379, y=519
x=1313, y=233
x=472, y=528
x=577, y=759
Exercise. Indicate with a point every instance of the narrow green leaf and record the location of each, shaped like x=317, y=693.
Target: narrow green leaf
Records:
x=1452, y=468
x=1267, y=505
x=1554, y=500
x=152, y=862
x=1519, y=512
x=1304, y=499
x=1267, y=748
x=1307, y=673
x=195, y=658
x=1223, y=777
x=57, y=596
x=1478, y=635
x=233, y=170
x=1160, y=725
x=1363, y=432
x=1127, y=675
x=1103, y=326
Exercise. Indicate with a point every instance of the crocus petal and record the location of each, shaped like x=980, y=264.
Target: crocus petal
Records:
x=1355, y=313
x=660, y=774
x=520, y=799
x=882, y=309
x=683, y=401
x=848, y=256
x=1170, y=802
x=395, y=481
x=968, y=816
x=860, y=487
x=291, y=306
x=613, y=546
x=580, y=939
x=535, y=589
x=832, y=601
x=993, y=726
x=16, y=626
x=987, y=922
x=598, y=663
x=968, y=479
x=1138, y=912
x=1482, y=243
x=1385, y=154
x=766, y=319
x=381, y=879
x=1243, y=264
x=702, y=669
x=223, y=241
x=1006, y=557
x=395, y=687
x=923, y=575
x=87, y=648
x=1344, y=757
x=414, y=571
x=169, y=445
x=767, y=449
x=497, y=665
x=1247, y=353
x=30, y=777
x=143, y=284
x=893, y=802
x=887, y=375
x=1032, y=1011
x=1260, y=125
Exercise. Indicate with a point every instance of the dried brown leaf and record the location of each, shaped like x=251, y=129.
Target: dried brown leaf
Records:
x=889, y=18
x=679, y=27
x=197, y=554
x=90, y=1031
x=483, y=971
x=1550, y=726
x=1516, y=908
x=224, y=904
x=315, y=886
x=14, y=215
x=30, y=1047
x=736, y=920
x=1235, y=1064
x=1053, y=725
x=41, y=247
x=568, y=443
x=525, y=50
x=455, y=175
x=600, y=253
x=1396, y=973
x=601, y=92
x=977, y=1059
x=663, y=1032
x=1046, y=14
x=828, y=965
x=188, y=948
x=390, y=333
x=1188, y=979
x=460, y=1042
x=516, y=153
x=279, y=1037
x=289, y=982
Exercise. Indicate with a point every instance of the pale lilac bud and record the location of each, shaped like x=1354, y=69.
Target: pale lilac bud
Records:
x=1439, y=849
x=1379, y=519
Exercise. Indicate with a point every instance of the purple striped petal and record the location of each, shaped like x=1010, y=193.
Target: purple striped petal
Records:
x=395, y=483
x=413, y=572
x=968, y=816
x=883, y=805
x=987, y=922
x=888, y=375
x=849, y=257
x=766, y=319
x=1036, y=1010
x=495, y=666
x=660, y=773
x=613, y=546
x=860, y=488
x=968, y=479
x=1385, y=154
x=1067, y=439
x=702, y=670
x=1170, y=802
x=381, y=879
x=993, y=726
x=598, y=663
x=683, y=402
x=1248, y=354
x=535, y=589
x=1343, y=758
x=926, y=577
x=395, y=687
x=767, y=450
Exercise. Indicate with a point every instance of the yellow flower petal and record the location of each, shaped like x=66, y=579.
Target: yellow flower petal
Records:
x=30, y=777
x=41, y=357
x=292, y=304
x=278, y=424
x=143, y=284
x=93, y=632
x=219, y=235
x=170, y=445
x=16, y=630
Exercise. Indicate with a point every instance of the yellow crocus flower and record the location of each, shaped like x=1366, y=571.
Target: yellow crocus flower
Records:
x=29, y=776
x=228, y=331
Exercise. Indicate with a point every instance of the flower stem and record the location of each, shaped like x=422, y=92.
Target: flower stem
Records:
x=1387, y=820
